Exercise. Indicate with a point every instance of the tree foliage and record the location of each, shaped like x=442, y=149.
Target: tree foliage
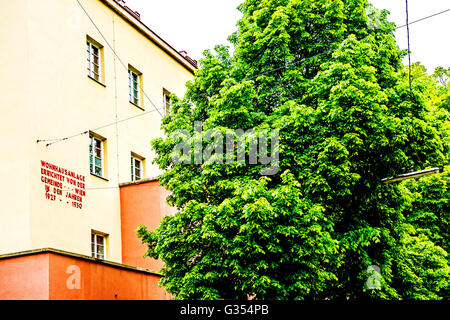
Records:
x=336, y=89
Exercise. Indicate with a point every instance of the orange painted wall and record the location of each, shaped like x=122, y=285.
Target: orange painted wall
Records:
x=25, y=278
x=100, y=282
x=141, y=204
x=45, y=276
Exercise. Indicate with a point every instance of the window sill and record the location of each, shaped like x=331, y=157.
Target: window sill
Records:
x=134, y=104
x=99, y=259
x=100, y=83
x=104, y=179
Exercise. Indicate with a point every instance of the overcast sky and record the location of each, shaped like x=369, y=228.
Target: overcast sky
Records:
x=196, y=25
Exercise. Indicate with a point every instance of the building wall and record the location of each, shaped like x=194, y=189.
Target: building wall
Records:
x=45, y=93
x=53, y=276
x=16, y=147
x=101, y=282
x=141, y=204
x=25, y=278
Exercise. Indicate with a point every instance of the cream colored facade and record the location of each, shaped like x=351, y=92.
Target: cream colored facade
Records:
x=45, y=93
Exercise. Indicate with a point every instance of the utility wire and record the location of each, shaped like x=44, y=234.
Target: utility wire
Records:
x=53, y=141
x=305, y=59
x=425, y=18
x=115, y=99
x=116, y=55
x=409, y=48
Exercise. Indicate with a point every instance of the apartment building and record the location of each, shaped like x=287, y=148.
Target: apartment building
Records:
x=84, y=86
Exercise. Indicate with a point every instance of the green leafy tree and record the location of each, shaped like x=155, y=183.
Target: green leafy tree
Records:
x=429, y=196
x=442, y=75
x=335, y=88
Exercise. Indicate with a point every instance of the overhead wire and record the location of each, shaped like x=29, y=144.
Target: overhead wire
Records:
x=422, y=19
x=294, y=62
x=115, y=53
x=54, y=141
x=409, y=48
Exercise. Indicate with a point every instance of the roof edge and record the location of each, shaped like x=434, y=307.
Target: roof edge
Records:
x=151, y=35
x=134, y=183
x=77, y=256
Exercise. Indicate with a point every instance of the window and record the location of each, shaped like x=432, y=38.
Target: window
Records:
x=96, y=156
x=94, y=59
x=134, y=83
x=98, y=245
x=136, y=169
x=166, y=101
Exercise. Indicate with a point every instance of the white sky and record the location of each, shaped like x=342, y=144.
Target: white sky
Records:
x=196, y=25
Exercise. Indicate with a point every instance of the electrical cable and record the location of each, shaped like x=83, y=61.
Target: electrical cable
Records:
x=424, y=18
x=115, y=54
x=53, y=141
x=409, y=48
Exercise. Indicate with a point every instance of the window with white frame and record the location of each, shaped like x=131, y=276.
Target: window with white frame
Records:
x=98, y=246
x=94, y=61
x=166, y=101
x=134, y=87
x=136, y=168
x=96, y=147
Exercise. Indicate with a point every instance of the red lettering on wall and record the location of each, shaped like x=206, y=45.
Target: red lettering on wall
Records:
x=57, y=179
